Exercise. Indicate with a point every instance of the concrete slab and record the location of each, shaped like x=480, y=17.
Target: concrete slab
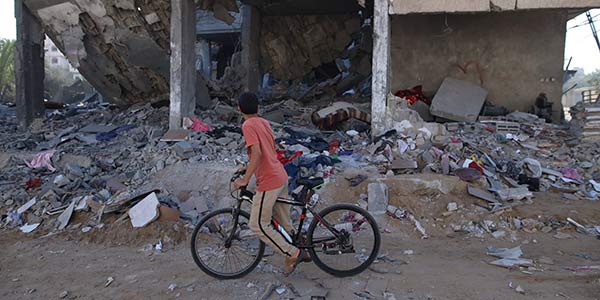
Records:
x=96, y=128
x=458, y=100
x=145, y=211
x=65, y=217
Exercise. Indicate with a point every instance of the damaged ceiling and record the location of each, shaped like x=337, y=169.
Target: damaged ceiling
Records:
x=120, y=46
x=305, y=7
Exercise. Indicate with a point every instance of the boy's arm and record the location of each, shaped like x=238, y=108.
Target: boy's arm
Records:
x=255, y=157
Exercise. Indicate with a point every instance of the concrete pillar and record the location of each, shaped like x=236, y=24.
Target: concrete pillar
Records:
x=29, y=65
x=206, y=63
x=381, y=64
x=250, y=49
x=183, y=70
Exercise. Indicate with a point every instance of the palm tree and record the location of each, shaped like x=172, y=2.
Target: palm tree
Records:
x=7, y=66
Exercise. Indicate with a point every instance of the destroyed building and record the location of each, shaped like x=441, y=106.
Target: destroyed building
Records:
x=131, y=52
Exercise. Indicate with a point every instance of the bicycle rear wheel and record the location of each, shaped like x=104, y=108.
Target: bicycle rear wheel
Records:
x=209, y=248
x=355, y=246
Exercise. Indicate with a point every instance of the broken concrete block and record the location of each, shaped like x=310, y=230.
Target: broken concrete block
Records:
x=423, y=109
x=378, y=198
x=458, y=100
x=152, y=18
x=78, y=160
x=401, y=164
x=452, y=206
x=73, y=171
x=61, y=181
x=184, y=150
x=337, y=112
x=145, y=212
x=175, y=135
x=515, y=194
x=481, y=194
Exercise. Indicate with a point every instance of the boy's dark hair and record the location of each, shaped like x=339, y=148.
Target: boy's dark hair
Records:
x=248, y=103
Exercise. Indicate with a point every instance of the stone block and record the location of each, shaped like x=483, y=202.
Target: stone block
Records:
x=145, y=212
x=458, y=100
x=378, y=198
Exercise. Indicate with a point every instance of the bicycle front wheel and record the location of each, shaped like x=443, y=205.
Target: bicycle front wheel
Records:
x=345, y=242
x=217, y=258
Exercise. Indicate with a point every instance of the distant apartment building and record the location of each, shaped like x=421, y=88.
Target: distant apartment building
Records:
x=55, y=58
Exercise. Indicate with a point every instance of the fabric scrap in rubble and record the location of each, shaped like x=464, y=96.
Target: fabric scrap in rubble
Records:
x=196, y=124
x=284, y=160
x=41, y=160
x=413, y=95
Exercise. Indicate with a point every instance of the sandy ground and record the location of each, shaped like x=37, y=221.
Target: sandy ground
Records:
x=42, y=268
x=442, y=267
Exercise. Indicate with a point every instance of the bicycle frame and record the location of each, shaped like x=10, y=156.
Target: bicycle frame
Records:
x=245, y=195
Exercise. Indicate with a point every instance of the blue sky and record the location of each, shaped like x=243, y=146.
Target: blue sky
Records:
x=580, y=41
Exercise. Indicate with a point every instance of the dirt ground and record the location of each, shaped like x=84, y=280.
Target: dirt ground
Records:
x=445, y=266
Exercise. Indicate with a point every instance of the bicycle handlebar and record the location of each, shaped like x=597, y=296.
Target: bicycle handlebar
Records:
x=237, y=175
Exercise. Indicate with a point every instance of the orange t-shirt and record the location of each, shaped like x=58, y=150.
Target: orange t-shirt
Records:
x=270, y=173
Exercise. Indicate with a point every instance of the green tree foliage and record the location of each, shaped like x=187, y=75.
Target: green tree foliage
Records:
x=594, y=78
x=56, y=78
x=7, y=70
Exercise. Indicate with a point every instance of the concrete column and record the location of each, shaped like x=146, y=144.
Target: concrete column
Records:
x=250, y=49
x=183, y=70
x=381, y=64
x=204, y=52
x=29, y=65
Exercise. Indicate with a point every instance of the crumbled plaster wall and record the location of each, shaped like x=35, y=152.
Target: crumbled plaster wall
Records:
x=291, y=46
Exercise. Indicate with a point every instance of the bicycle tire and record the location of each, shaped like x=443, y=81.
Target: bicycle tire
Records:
x=372, y=256
x=206, y=269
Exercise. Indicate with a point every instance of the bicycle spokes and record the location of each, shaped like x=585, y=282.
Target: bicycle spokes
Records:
x=343, y=238
x=224, y=248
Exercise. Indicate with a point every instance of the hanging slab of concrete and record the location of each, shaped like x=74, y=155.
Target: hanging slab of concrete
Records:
x=145, y=212
x=458, y=100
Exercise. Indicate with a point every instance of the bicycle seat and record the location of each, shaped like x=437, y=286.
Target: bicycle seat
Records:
x=310, y=182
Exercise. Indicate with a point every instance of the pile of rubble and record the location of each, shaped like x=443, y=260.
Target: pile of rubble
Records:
x=585, y=120
x=95, y=157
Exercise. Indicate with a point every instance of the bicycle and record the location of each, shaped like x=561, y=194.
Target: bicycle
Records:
x=224, y=247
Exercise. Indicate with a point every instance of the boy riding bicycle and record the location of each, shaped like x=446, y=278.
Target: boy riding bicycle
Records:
x=271, y=180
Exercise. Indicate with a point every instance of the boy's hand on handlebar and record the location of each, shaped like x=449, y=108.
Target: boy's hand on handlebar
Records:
x=240, y=182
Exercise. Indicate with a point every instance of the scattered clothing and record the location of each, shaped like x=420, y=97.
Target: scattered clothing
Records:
x=41, y=160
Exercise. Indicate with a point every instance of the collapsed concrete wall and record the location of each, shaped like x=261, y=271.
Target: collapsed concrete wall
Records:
x=514, y=55
x=121, y=47
x=291, y=46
